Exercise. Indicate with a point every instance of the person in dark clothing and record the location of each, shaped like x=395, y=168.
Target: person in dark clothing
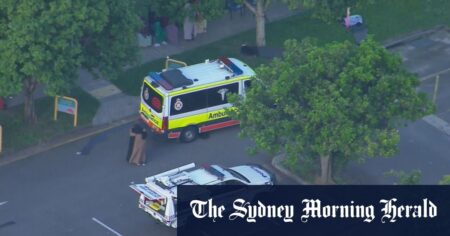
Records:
x=137, y=145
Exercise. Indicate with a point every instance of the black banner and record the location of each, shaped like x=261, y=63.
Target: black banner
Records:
x=313, y=210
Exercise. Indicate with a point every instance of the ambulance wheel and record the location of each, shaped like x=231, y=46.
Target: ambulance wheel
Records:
x=189, y=134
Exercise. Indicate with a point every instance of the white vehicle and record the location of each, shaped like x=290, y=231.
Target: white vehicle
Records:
x=158, y=196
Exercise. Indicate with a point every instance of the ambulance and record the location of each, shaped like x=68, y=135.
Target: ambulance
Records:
x=158, y=196
x=184, y=101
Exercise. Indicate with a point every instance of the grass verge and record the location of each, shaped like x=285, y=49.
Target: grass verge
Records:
x=299, y=26
x=388, y=19
x=385, y=19
x=17, y=134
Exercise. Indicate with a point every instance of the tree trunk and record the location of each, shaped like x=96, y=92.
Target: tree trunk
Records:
x=260, y=24
x=325, y=170
x=29, y=87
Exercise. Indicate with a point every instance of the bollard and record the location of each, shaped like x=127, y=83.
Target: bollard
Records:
x=436, y=87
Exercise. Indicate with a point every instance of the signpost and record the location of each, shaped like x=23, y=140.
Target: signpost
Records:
x=67, y=105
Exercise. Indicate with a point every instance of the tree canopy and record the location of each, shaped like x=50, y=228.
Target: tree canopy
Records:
x=328, y=10
x=335, y=101
x=46, y=42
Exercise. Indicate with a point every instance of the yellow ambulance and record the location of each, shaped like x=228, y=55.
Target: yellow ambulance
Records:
x=182, y=102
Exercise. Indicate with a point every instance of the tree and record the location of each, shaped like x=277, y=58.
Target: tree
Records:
x=258, y=9
x=328, y=11
x=46, y=42
x=445, y=180
x=404, y=178
x=338, y=101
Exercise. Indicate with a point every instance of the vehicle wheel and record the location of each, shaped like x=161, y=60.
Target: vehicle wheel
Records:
x=189, y=134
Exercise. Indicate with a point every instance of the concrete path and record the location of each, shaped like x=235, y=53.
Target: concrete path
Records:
x=114, y=105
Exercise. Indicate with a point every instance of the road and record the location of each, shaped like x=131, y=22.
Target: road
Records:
x=425, y=144
x=61, y=193
x=422, y=147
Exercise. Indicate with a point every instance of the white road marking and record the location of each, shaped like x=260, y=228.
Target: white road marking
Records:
x=434, y=74
x=106, y=227
x=3, y=203
x=438, y=123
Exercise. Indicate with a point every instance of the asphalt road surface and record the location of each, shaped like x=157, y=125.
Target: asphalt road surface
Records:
x=425, y=144
x=61, y=193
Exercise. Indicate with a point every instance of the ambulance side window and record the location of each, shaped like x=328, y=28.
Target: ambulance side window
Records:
x=218, y=95
x=188, y=102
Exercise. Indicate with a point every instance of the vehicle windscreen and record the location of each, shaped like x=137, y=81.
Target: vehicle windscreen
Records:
x=152, y=98
x=238, y=175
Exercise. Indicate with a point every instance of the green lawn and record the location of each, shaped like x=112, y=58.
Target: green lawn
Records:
x=385, y=19
x=17, y=135
x=294, y=27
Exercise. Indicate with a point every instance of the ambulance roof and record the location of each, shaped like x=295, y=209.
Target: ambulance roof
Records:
x=200, y=74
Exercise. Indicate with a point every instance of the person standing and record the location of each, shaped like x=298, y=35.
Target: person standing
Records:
x=188, y=24
x=137, y=146
x=200, y=24
x=160, y=35
x=347, y=19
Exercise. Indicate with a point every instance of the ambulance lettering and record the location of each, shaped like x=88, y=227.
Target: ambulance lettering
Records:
x=216, y=115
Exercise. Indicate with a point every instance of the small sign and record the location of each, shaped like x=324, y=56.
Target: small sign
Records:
x=67, y=105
